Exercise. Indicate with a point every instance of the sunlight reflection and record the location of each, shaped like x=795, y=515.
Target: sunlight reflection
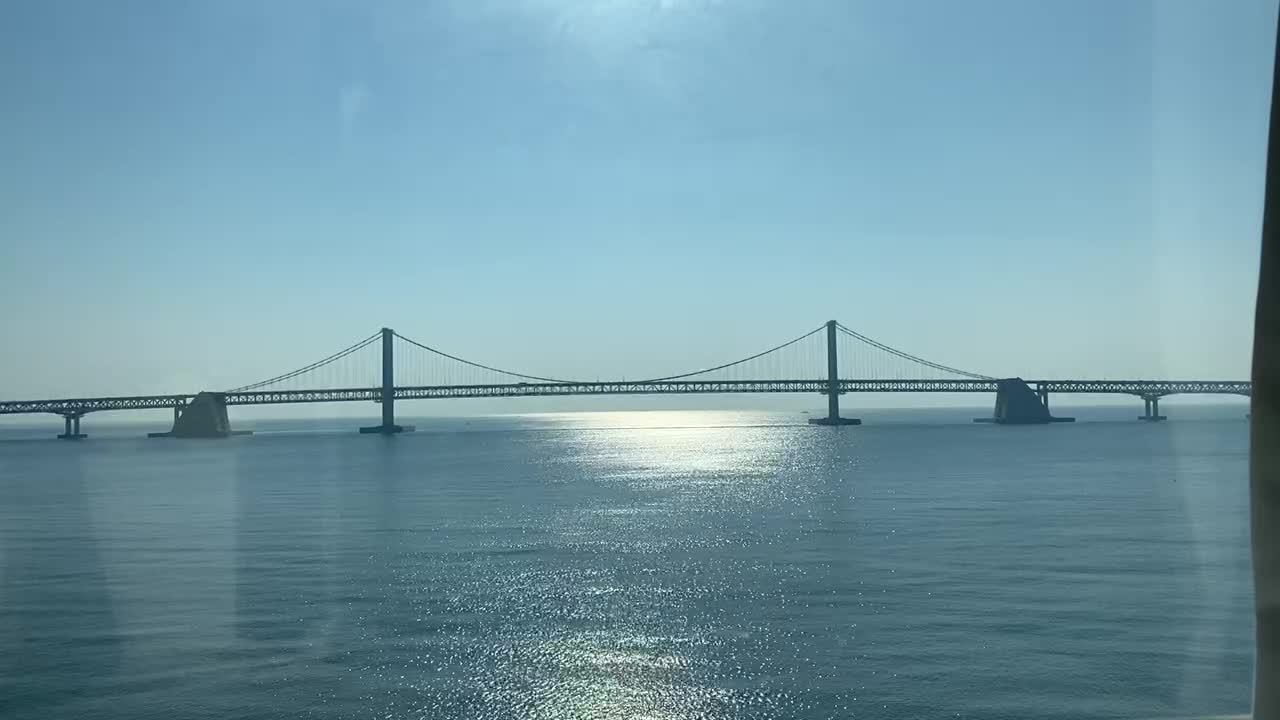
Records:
x=687, y=456
x=656, y=478
x=600, y=675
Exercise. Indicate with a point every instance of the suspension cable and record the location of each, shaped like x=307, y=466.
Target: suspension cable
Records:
x=319, y=363
x=478, y=365
x=909, y=356
x=365, y=342
x=737, y=362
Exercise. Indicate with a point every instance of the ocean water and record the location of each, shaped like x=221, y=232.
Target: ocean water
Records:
x=631, y=565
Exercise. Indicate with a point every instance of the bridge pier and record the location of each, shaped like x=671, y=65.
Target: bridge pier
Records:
x=72, y=427
x=1018, y=404
x=388, y=395
x=1152, y=411
x=833, y=385
x=204, y=417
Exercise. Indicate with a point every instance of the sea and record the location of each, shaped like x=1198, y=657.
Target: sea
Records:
x=683, y=564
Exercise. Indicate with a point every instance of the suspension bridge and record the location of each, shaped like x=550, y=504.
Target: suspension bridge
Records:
x=830, y=360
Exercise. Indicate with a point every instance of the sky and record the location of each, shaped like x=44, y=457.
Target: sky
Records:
x=198, y=195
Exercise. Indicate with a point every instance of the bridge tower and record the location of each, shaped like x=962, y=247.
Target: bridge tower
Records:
x=387, y=394
x=833, y=384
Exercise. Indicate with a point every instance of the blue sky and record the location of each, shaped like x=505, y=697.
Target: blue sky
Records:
x=202, y=194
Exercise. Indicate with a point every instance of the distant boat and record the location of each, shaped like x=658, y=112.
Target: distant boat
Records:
x=804, y=412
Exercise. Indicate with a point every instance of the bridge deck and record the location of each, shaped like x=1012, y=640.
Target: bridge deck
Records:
x=677, y=387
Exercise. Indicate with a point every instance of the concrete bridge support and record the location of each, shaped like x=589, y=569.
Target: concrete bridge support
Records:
x=72, y=423
x=388, y=395
x=205, y=417
x=833, y=385
x=1152, y=411
x=1018, y=404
